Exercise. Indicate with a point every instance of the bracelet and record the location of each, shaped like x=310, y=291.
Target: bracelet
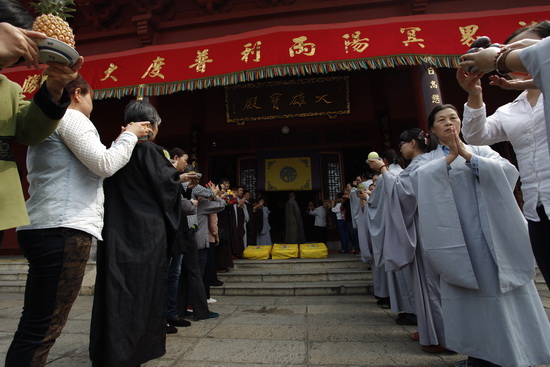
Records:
x=380, y=169
x=500, y=61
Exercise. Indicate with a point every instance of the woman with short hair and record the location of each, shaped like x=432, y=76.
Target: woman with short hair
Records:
x=142, y=215
x=65, y=174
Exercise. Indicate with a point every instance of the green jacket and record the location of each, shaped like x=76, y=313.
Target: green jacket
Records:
x=28, y=123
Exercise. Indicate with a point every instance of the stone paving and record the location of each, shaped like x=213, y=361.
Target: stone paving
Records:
x=318, y=331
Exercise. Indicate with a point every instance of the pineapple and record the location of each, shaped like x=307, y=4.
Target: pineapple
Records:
x=52, y=21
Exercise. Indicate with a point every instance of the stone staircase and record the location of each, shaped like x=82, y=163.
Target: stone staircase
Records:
x=13, y=275
x=335, y=275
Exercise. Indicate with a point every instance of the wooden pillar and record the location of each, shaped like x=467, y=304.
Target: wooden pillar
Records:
x=428, y=92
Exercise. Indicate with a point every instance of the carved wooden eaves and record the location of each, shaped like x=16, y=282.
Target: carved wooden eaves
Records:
x=215, y=6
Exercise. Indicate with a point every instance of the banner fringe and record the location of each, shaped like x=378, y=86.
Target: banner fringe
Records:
x=280, y=71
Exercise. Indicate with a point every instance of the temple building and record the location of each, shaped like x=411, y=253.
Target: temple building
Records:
x=281, y=95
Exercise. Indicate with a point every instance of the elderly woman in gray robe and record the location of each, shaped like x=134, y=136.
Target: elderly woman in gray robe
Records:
x=475, y=236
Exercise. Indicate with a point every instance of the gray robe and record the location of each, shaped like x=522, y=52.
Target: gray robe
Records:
x=476, y=238
x=403, y=222
x=264, y=237
x=364, y=236
x=537, y=61
x=400, y=284
x=379, y=277
x=294, y=225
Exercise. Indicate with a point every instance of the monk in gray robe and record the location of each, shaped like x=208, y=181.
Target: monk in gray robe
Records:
x=476, y=237
x=294, y=225
x=405, y=247
x=379, y=277
x=400, y=285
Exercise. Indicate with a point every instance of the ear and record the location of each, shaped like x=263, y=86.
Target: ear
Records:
x=78, y=94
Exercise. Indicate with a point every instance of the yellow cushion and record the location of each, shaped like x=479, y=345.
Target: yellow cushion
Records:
x=257, y=252
x=285, y=251
x=313, y=250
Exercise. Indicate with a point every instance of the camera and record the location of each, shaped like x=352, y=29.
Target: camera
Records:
x=149, y=136
x=480, y=43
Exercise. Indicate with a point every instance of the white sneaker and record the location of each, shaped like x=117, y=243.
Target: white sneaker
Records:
x=211, y=300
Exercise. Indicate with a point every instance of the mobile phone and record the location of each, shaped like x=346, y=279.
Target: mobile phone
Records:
x=149, y=136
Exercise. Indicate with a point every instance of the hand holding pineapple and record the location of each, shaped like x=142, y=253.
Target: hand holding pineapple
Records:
x=16, y=43
x=59, y=76
x=52, y=21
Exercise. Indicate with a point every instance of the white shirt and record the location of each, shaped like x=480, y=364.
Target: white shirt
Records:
x=338, y=210
x=65, y=174
x=536, y=59
x=524, y=127
x=320, y=216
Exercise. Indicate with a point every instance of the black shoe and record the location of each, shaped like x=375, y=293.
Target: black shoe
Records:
x=216, y=283
x=406, y=319
x=342, y=251
x=178, y=321
x=171, y=329
x=384, y=303
x=211, y=315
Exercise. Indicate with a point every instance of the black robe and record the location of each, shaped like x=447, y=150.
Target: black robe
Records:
x=142, y=214
x=237, y=228
x=224, y=258
x=251, y=227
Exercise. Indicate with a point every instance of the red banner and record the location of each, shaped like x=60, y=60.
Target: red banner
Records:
x=437, y=40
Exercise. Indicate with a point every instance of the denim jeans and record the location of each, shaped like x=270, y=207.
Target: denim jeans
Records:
x=57, y=261
x=539, y=233
x=353, y=235
x=174, y=271
x=191, y=290
x=343, y=232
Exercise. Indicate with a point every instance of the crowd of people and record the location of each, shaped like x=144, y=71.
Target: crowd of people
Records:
x=449, y=247
x=448, y=231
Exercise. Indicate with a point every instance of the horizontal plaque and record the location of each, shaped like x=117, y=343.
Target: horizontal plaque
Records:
x=303, y=97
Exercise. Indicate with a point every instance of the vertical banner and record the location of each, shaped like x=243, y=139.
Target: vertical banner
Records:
x=430, y=88
x=288, y=174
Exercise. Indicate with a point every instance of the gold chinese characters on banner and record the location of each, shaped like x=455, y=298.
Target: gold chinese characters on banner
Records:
x=291, y=51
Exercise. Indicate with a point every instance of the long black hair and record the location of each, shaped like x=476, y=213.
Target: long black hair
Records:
x=391, y=156
x=177, y=152
x=541, y=29
x=423, y=140
x=12, y=12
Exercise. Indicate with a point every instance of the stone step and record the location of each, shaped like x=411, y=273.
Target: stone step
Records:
x=18, y=286
x=12, y=275
x=12, y=286
x=308, y=275
x=331, y=288
x=334, y=261
x=13, y=263
x=337, y=274
x=19, y=264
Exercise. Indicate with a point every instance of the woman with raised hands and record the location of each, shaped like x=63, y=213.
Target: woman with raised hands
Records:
x=476, y=238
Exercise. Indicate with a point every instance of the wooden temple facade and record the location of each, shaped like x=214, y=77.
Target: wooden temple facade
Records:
x=242, y=83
